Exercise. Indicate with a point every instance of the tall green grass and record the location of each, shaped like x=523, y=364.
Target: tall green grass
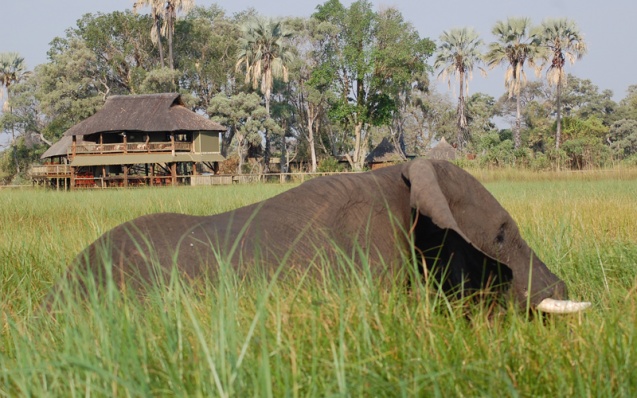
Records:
x=302, y=337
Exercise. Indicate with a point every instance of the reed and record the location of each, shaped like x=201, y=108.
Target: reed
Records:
x=340, y=337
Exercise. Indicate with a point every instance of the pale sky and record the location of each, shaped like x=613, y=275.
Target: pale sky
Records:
x=609, y=28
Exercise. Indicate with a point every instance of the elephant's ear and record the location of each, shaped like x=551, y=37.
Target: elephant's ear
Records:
x=448, y=199
x=427, y=196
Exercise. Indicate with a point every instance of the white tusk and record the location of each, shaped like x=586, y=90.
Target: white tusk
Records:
x=553, y=306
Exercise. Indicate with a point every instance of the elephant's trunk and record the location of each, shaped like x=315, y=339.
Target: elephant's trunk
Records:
x=548, y=293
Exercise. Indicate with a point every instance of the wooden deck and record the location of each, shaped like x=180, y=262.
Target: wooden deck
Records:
x=51, y=171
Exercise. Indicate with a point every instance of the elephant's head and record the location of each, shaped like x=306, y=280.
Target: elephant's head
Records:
x=460, y=224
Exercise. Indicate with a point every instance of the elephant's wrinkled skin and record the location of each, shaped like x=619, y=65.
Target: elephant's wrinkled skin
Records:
x=435, y=205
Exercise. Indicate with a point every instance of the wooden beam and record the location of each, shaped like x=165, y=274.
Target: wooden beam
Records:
x=74, y=147
x=72, y=175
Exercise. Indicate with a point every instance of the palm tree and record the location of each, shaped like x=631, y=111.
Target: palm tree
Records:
x=263, y=56
x=156, y=10
x=564, y=42
x=12, y=70
x=516, y=47
x=457, y=55
x=172, y=8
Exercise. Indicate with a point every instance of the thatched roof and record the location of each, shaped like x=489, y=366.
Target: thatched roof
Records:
x=442, y=151
x=384, y=152
x=58, y=149
x=147, y=113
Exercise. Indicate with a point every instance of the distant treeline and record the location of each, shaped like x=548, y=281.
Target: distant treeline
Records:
x=330, y=85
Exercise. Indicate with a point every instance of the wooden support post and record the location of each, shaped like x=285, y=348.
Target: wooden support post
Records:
x=73, y=147
x=72, y=182
x=125, y=167
x=152, y=174
x=173, y=172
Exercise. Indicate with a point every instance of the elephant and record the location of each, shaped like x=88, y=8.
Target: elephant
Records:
x=428, y=209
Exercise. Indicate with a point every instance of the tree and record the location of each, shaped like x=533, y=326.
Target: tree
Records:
x=263, y=56
x=516, y=46
x=623, y=137
x=207, y=40
x=374, y=60
x=170, y=16
x=584, y=142
x=12, y=70
x=583, y=99
x=349, y=57
x=309, y=88
x=627, y=108
x=400, y=72
x=457, y=55
x=71, y=87
x=564, y=42
x=480, y=112
x=430, y=116
x=156, y=11
x=164, y=15
x=244, y=116
x=121, y=47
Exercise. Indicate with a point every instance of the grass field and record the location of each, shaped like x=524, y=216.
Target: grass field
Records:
x=336, y=338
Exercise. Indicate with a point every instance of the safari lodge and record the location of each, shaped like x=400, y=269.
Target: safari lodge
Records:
x=134, y=140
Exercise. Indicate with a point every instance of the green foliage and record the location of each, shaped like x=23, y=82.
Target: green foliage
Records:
x=627, y=108
x=623, y=135
x=162, y=80
x=583, y=142
x=329, y=165
x=378, y=56
x=584, y=100
x=245, y=118
x=480, y=112
x=122, y=46
x=496, y=152
x=630, y=161
x=15, y=161
x=205, y=42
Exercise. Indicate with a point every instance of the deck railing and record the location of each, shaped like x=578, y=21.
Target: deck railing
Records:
x=50, y=170
x=88, y=148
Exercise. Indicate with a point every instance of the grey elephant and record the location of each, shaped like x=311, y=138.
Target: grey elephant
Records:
x=425, y=208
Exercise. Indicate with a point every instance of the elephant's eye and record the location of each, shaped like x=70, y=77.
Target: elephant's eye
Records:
x=499, y=238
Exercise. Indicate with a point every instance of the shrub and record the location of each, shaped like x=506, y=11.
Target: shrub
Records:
x=329, y=165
